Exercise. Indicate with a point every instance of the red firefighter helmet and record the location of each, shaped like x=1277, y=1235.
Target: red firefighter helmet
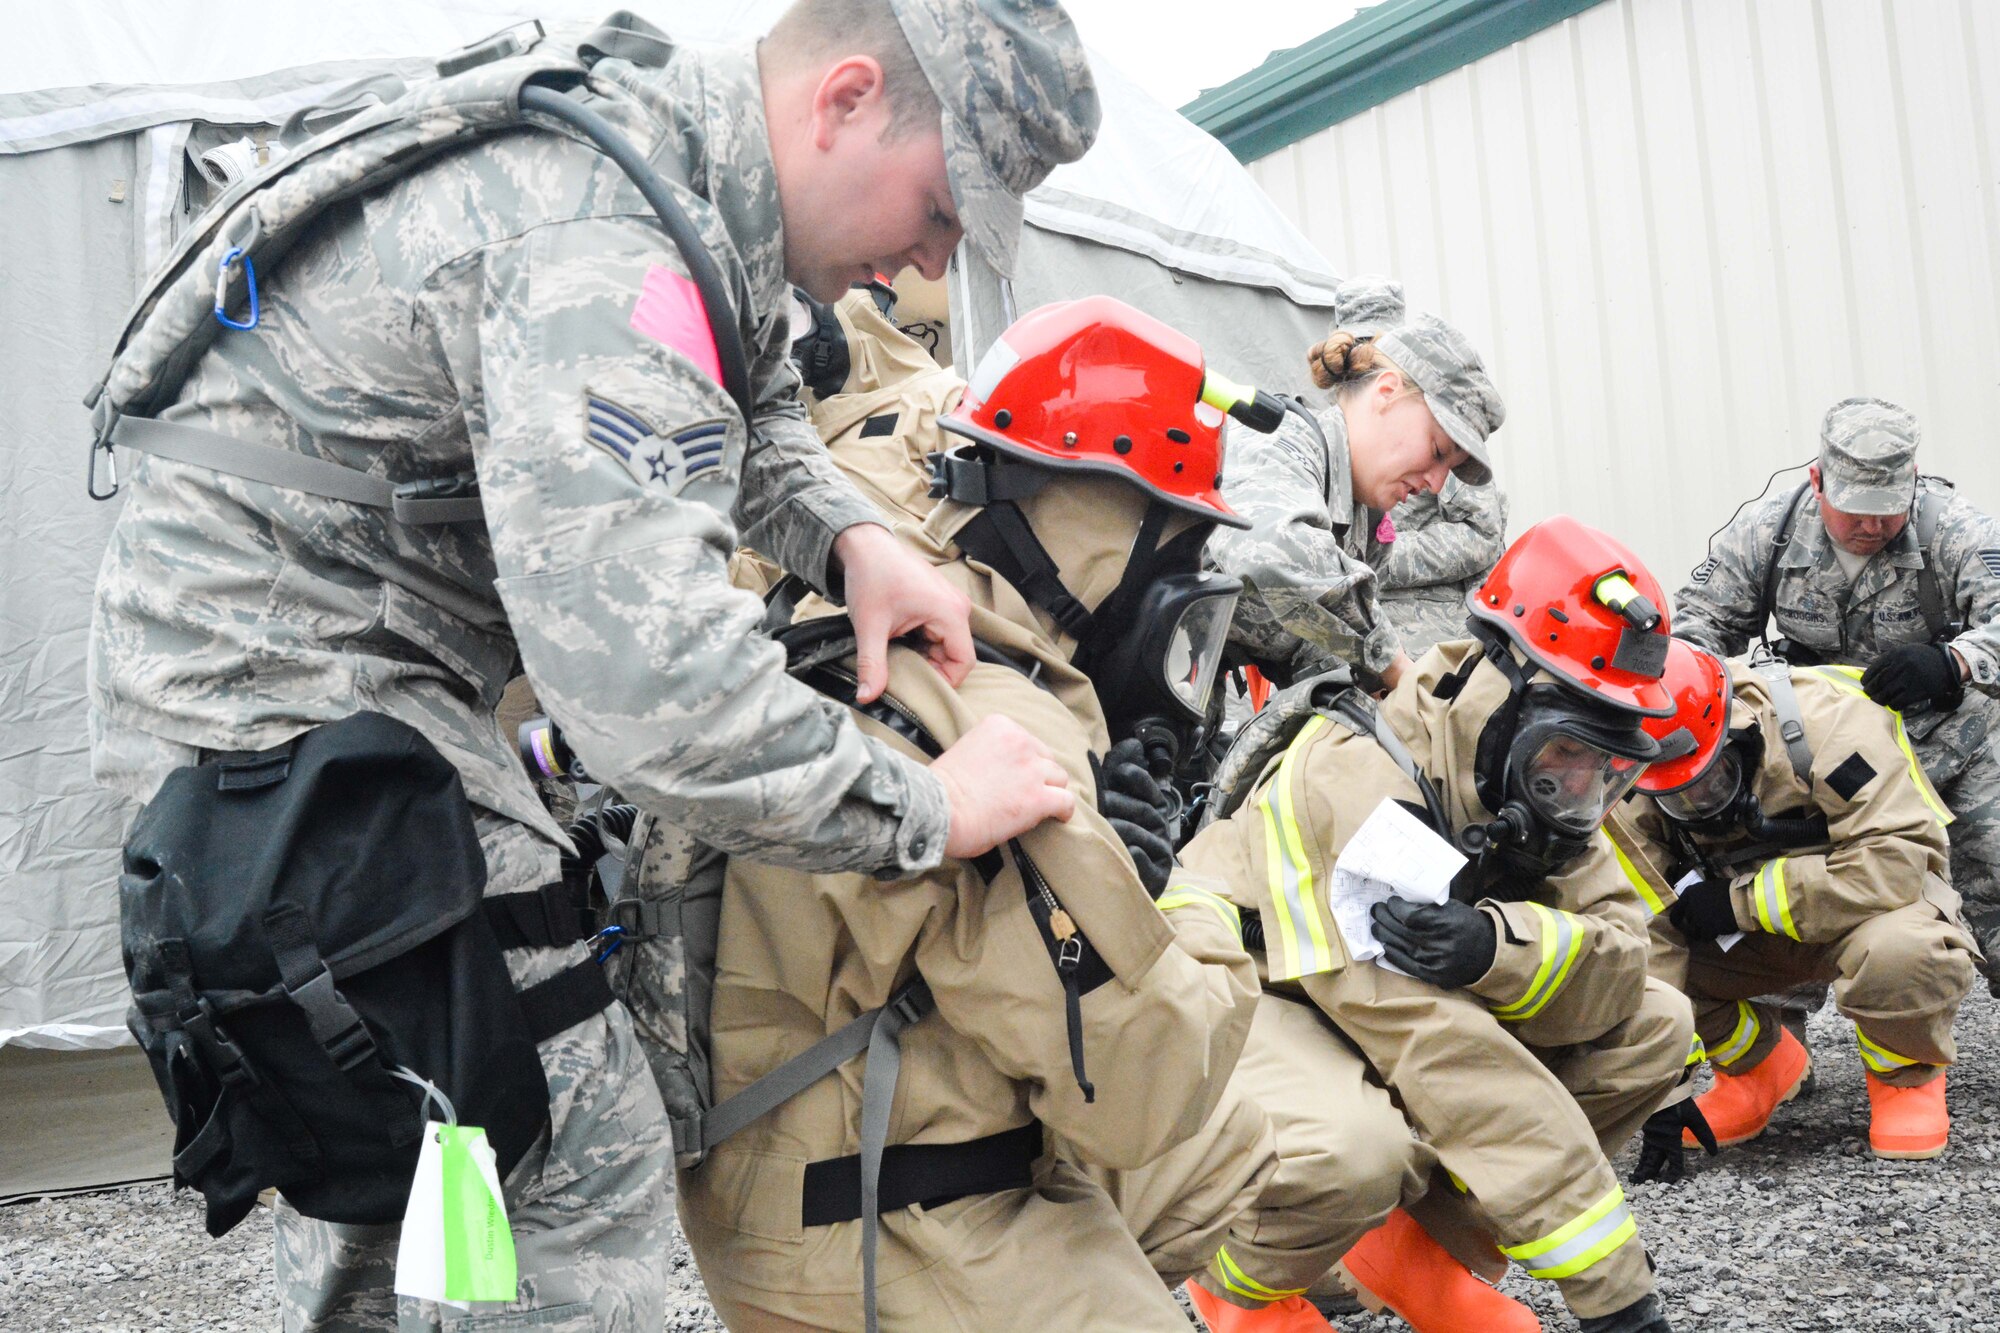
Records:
x=1693, y=736
x=1094, y=386
x=1582, y=607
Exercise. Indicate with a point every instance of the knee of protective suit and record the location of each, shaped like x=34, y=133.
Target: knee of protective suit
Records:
x=1662, y=1031
x=1912, y=962
x=1362, y=1169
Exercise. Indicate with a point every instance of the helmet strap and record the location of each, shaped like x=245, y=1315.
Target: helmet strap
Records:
x=1000, y=538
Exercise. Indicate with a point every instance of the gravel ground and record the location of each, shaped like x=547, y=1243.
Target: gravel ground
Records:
x=1798, y=1230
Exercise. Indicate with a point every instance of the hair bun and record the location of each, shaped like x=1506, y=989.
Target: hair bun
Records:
x=1331, y=360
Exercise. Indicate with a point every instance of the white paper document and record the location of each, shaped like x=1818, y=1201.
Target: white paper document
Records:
x=1392, y=855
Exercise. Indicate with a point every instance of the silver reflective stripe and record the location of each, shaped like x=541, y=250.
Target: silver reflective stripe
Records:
x=1583, y=1249
x=1742, y=1039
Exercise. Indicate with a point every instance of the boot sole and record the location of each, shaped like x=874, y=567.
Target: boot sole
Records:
x=1909, y=1154
x=1687, y=1140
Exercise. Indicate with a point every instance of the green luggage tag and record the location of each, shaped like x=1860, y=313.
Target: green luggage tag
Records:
x=478, y=1247
x=455, y=1246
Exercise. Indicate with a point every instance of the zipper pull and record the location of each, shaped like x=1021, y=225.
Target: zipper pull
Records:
x=1062, y=927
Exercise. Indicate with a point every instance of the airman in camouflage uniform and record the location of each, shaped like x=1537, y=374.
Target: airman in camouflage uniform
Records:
x=1310, y=597
x=487, y=314
x=1431, y=550
x=1847, y=590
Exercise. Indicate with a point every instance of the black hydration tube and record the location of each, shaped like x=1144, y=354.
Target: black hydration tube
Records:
x=701, y=265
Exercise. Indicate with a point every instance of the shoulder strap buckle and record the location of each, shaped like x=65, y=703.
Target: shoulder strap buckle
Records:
x=513, y=41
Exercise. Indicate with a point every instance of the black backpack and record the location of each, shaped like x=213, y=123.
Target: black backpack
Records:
x=298, y=922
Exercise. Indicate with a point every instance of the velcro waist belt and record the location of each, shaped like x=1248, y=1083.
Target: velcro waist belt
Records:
x=931, y=1174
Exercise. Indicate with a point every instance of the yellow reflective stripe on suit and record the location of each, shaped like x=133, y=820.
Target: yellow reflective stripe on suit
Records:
x=1303, y=946
x=1242, y=1284
x=1880, y=1058
x=1637, y=880
x=1740, y=1040
x=1578, y=1244
x=1187, y=895
x=1562, y=941
x=1774, y=902
x=1848, y=678
x=1696, y=1051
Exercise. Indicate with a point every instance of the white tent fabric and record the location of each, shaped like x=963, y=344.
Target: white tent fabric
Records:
x=104, y=110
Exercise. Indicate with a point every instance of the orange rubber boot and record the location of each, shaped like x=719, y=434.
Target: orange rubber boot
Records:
x=1907, y=1123
x=1403, y=1267
x=1739, y=1106
x=1294, y=1314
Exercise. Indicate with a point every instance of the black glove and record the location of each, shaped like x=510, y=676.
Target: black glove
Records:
x=1448, y=944
x=1137, y=809
x=1662, y=1152
x=1704, y=911
x=1916, y=678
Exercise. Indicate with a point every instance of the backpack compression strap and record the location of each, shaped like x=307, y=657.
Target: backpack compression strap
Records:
x=450, y=500
x=1777, y=677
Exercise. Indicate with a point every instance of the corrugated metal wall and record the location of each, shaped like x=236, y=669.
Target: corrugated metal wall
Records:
x=1681, y=229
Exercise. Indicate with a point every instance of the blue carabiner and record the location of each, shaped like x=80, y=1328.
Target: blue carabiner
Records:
x=222, y=289
x=618, y=934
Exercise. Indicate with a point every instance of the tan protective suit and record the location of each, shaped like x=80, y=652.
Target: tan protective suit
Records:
x=801, y=955
x=1521, y=1084
x=1868, y=909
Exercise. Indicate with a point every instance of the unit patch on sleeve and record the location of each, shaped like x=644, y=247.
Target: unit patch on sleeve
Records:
x=1702, y=571
x=650, y=458
x=1853, y=774
x=1990, y=558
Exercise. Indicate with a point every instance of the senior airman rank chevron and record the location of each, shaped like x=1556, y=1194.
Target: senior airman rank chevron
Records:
x=650, y=458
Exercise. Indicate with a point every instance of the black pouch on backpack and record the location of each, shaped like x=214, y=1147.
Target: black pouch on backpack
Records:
x=296, y=923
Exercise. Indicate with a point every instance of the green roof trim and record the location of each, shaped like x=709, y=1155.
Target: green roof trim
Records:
x=1380, y=52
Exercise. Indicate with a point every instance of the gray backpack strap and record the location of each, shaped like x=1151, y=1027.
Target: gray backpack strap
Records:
x=878, y=1098
x=1358, y=713
x=497, y=85
x=201, y=447
x=701, y=1132
x=1767, y=601
x=1777, y=677
x=1930, y=590
x=626, y=36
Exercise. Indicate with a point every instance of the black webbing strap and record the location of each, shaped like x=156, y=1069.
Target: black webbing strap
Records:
x=1768, y=600
x=565, y=999
x=963, y=475
x=930, y=1174
x=335, y=1025
x=1930, y=592
x=840, y=686
x=225, y=1061
x=554, y=915
x=1000, y=538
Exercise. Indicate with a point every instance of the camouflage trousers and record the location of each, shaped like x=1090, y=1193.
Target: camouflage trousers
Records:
x=588, y=1204
x=1958, y=757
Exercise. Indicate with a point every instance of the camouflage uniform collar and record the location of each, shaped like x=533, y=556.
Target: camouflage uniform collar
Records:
x=714, y=99
x=1340, y=504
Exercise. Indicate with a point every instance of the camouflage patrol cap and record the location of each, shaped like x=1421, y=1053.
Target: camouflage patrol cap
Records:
x=1019, y=101
x=1868, y=457
x=1366, y=305
x=1456, y=386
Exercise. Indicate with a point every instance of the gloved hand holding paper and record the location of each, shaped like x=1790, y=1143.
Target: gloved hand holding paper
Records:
x=1392, y=855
